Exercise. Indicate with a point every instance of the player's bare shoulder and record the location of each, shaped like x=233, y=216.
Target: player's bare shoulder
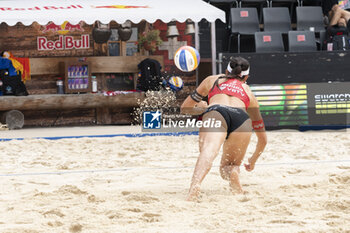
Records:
x=210, y=80
x=247, y=89
x=253, y=100
x=214, y=77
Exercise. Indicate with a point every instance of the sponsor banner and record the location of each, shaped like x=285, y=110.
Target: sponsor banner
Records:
x=62, y=29
x=282, y=105
x=329, y=103
x=63, y=42
x=41, y=8
x=69, y=7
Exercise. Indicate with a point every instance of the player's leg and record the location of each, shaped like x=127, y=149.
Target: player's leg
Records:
x=234, y=150
x=209, y=145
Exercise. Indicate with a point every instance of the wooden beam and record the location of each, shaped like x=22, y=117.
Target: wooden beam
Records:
x=72, y=101
x=103, y=116
x=118, y=64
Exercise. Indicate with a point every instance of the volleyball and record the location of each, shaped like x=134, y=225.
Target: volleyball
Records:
x=186, y=58
x=176, y=83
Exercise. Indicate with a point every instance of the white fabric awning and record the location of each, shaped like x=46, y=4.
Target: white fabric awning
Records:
x=89, y=11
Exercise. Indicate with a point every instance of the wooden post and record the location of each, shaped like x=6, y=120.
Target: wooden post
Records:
x=103, y=116
x=14, y=119
x=123, y=48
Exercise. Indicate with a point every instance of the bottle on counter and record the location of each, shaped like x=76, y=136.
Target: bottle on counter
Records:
x=93, y=84
x=60, y=87
x=1, y=83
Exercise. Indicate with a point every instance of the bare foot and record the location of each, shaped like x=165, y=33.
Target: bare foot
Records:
x=234, y=181
x=193, y=194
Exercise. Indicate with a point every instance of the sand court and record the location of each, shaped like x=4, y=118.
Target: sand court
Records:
x=121, y=184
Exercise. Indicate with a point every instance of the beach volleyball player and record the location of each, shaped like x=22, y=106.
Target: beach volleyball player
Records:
x=231, y=102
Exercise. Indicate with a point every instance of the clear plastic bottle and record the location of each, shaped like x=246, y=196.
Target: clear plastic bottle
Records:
x=94, y=84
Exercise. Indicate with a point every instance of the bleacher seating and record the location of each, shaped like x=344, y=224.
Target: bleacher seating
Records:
x=301, y=41
x=266, y=42
x=277, y=19
x=243, y=21
x=310, y=17
x=258, y=4
x=246, y=22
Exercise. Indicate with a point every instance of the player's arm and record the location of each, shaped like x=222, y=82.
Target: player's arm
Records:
x=194, y=104
x=259, y=128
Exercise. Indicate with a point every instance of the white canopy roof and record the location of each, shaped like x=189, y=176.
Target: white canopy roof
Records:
x=74, y=11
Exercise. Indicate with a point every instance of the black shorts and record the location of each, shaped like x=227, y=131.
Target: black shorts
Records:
x=234, y=117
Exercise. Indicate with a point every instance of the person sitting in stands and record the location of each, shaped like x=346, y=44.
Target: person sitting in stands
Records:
x=336, y=15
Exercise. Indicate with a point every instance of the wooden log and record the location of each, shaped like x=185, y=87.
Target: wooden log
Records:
x=121, y=119
x=43, y=102
x=50, y=122
x=14, y=119
x=50, y=118
x=103, y=116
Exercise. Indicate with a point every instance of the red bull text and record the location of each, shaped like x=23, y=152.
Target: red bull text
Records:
x=69, y=7
x=36, y=8
x=64, y=42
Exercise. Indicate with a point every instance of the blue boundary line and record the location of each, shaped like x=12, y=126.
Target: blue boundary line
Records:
x=135, y=135
x=291, y=163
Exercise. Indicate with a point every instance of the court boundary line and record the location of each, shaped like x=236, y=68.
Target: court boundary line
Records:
x=129, y=135
x=291, y=163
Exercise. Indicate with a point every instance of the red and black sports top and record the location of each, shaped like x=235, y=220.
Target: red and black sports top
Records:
x=231, y=87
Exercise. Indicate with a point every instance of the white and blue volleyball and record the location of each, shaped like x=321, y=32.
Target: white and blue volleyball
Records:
x=176, y=83
x=187, y=58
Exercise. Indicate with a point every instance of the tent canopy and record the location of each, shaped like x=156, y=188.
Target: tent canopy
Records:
x=89, y=11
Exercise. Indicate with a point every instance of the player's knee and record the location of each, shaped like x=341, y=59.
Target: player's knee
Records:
x=341, y=22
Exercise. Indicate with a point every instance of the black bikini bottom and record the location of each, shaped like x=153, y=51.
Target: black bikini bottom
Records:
x=234, y=117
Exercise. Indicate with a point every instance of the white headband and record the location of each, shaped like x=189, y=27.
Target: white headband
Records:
x=229, y=69
x=243, y=73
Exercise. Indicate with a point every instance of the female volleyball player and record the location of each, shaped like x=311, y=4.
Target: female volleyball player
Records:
x=233, y=104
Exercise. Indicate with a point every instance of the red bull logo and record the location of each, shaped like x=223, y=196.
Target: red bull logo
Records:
x=64, y=42
x=120, y=7
x=63, y=29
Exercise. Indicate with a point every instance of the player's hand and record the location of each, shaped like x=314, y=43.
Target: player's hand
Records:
x=250, y=166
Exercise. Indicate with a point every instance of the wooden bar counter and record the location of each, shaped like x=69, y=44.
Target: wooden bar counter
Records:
x=69, y=101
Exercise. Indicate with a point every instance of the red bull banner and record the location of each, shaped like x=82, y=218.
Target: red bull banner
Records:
x=64, y=42
x=69, y=7
x=38, y=8
x=120, y=7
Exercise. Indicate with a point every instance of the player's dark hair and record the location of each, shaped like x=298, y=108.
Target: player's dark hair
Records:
x=237, y=64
